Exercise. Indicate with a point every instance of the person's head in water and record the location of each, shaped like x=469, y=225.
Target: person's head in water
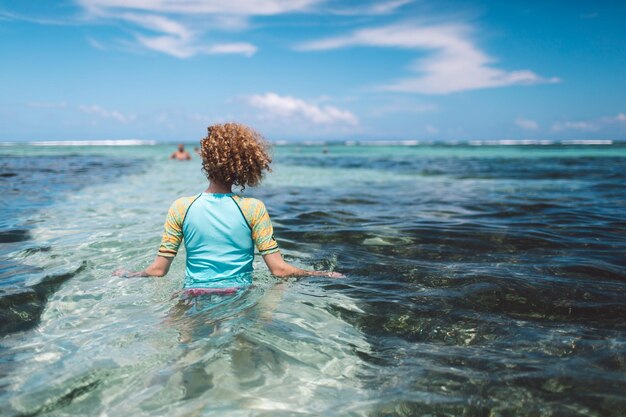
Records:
x=234, y=154
x=181, y=147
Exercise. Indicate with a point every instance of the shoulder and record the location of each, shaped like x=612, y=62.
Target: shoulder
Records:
x=248, y=202
x=182, y=201
x=181, y=204
x=252, y=208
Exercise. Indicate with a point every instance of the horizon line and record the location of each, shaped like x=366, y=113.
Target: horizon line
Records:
x=373, y=142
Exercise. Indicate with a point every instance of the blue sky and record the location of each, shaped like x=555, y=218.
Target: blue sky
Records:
x=313, y=69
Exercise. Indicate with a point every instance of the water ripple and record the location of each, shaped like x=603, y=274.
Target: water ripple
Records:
x=478, y=283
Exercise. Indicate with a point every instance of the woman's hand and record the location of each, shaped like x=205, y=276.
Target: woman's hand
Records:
x=331, y=274
x=278, y=267
x=158, y=268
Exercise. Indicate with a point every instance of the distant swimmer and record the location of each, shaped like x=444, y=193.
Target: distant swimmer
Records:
x=197, y=150
x=180, y=154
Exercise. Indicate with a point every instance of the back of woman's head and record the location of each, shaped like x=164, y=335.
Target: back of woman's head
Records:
x=235, y=154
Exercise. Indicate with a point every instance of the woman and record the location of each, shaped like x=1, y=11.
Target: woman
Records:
x=220, y=229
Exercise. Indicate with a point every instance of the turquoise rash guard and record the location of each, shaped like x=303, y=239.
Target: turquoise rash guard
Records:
x=220, y=232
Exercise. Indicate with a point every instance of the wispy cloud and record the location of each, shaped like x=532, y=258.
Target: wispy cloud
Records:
x=179, y=27
x=241, y=7
x=527, y=124
x=454, y=63
x=103, y=113
x=8, y=16
x=177, y=39
x=183, y=48
x=290, y=108
x=186, y=28
x=93, y=109
x=231, y=48
x=158, y=24
x=376, y=8
x=584, y=126
x=96, y=44
x=590, y=125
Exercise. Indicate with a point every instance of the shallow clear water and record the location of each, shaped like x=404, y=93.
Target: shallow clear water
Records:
x=480, y=281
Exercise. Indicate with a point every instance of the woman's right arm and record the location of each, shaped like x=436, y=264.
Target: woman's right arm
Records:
x=263, y=236
x=170, y=242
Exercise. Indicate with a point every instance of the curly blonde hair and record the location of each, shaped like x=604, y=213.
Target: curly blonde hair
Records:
x=234, y=154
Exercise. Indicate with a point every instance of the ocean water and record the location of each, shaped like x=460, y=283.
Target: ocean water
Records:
x=480, y=281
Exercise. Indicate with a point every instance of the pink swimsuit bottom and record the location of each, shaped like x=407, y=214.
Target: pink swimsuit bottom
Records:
x=195, y=292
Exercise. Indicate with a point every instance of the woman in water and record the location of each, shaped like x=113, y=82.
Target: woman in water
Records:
x=220, y=229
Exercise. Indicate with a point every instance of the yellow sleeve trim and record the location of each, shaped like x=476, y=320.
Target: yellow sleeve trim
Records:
x=173, y=228
x=258, y=219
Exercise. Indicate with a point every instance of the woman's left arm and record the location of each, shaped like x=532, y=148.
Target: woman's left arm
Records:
x=170, y=242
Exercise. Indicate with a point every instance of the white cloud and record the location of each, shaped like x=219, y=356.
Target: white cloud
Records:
x=178, y=27
x=377, y=8
x=527, y=124
x=171, y=45
x=388, y=6
x=454, y=63
x=179, y=40
x=4, y=15
x=93, y=109
x=232, y=48
x=96, y=44
x=590, y=125
x=182, y=48
x=158, y=24
x=99, y=111
x=290, y=108
x=241, y=7
x=584, y=126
